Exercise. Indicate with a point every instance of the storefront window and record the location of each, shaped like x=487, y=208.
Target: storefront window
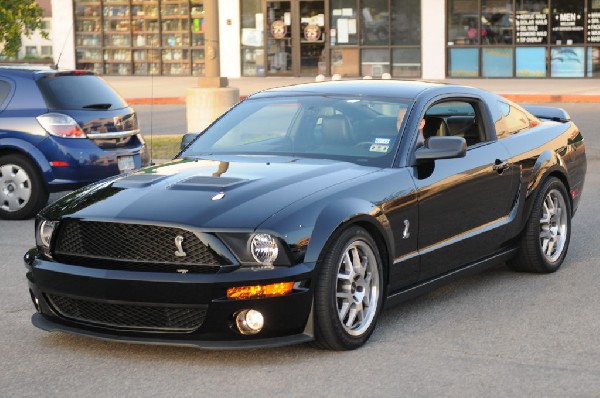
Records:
x=343, y=23
x=406, y=62
x=463, y=62
x=344, y=61
x=252, y=38
x=375, y=62
x=531, y=22
x=406, y=22
x=593, y=62
x=567, y=22
x=593, y=22
x=567, y=62
x=497, y=62
x=140, y=36
x=523, y=38
x=496, y=22
x=531, y=61
x=375, y=22
x=462, y=22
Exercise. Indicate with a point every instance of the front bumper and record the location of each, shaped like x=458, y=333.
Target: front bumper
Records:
x=288, y=318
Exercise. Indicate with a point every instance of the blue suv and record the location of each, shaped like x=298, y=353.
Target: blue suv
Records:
x=60, y=130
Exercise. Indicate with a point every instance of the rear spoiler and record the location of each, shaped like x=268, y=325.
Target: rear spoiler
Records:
x=548, y=113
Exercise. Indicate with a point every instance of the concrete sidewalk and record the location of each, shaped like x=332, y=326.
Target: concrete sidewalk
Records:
x=172, y=90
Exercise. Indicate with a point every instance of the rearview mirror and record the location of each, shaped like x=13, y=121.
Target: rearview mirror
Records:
x=187, y=139
x=442, y=148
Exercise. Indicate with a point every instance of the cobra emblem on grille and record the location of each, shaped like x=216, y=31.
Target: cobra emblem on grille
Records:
x=179, y=245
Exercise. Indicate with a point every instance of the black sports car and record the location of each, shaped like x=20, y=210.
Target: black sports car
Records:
x=304, y=210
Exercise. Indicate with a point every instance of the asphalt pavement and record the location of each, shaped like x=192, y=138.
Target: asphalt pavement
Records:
x=495, y=334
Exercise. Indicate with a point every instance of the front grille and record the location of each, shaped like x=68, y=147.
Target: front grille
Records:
x=133, y=247
x=129, y=316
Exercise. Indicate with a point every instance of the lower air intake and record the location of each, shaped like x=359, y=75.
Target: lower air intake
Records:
x=130, y=316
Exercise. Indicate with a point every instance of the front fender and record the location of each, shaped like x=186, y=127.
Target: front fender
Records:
x=343, y=212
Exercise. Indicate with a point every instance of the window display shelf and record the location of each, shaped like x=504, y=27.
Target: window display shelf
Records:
x=147, y=36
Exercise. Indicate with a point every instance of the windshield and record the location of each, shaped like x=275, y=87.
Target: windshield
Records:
x=358, y=130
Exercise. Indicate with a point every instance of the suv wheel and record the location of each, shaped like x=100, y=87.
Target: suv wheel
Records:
x=22, y=192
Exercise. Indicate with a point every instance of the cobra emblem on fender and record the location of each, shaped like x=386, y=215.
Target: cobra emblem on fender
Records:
x=179, y=245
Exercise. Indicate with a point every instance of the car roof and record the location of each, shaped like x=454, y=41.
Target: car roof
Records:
x=377, y=88
x=36, y=71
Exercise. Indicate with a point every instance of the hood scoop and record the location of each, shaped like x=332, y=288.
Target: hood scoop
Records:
x=138, y=181
x=207, y=183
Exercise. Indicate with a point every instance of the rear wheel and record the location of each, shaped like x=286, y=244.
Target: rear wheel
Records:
x=22, y=192
x=349, y=294
x=548, y=232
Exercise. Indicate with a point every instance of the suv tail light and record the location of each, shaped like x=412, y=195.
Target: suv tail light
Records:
x=61, y=125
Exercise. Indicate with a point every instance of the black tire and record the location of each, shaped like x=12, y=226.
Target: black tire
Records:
x=546, y=237
x=22, y=191
x=361, y=293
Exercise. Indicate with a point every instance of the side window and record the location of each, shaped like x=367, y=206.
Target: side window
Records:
x=514, y=119
x=455, y=118
x=4, y=91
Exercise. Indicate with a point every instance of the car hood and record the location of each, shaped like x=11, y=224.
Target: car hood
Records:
x=235, y=192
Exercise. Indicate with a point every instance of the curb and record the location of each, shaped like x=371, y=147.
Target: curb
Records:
x=519, y=98
x=156, y=101
x=544, y=98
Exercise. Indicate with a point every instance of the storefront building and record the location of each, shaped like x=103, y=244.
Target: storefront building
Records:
x=523, y=38
x=429, y=39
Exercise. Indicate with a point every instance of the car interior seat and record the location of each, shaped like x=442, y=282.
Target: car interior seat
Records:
x=336, y=130
x=435, y=126
x=473, y=134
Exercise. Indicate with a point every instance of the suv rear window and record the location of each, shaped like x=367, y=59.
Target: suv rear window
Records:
x=76, y=92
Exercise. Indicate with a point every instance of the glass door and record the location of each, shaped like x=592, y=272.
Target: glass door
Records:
x=312, y=37
x=279, y=38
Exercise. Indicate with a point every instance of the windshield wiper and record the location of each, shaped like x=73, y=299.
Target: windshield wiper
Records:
x=97, y=106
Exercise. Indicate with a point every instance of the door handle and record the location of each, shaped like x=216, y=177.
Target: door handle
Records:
x=500, y=166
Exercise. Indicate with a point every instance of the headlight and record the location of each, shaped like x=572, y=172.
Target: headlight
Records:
x=264, y=248
x=257, y=250
x=43, y=236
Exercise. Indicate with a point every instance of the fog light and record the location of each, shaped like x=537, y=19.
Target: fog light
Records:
x=249, y=321
x=35, y=300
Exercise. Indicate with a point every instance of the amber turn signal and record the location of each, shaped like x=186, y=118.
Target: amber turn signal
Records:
x=245, y=292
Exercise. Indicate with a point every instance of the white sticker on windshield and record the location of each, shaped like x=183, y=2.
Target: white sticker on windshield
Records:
x=379, y=148
x=382, y=141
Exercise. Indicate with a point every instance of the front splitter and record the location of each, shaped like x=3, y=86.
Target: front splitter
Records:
x=41, y=322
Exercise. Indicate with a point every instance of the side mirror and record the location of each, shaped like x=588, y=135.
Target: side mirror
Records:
x=186, y=139
x=442, y=148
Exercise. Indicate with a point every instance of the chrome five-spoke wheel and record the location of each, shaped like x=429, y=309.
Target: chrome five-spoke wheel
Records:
x=357, y=287
x=349, y=291
x=553, y=225
x=545, y=238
